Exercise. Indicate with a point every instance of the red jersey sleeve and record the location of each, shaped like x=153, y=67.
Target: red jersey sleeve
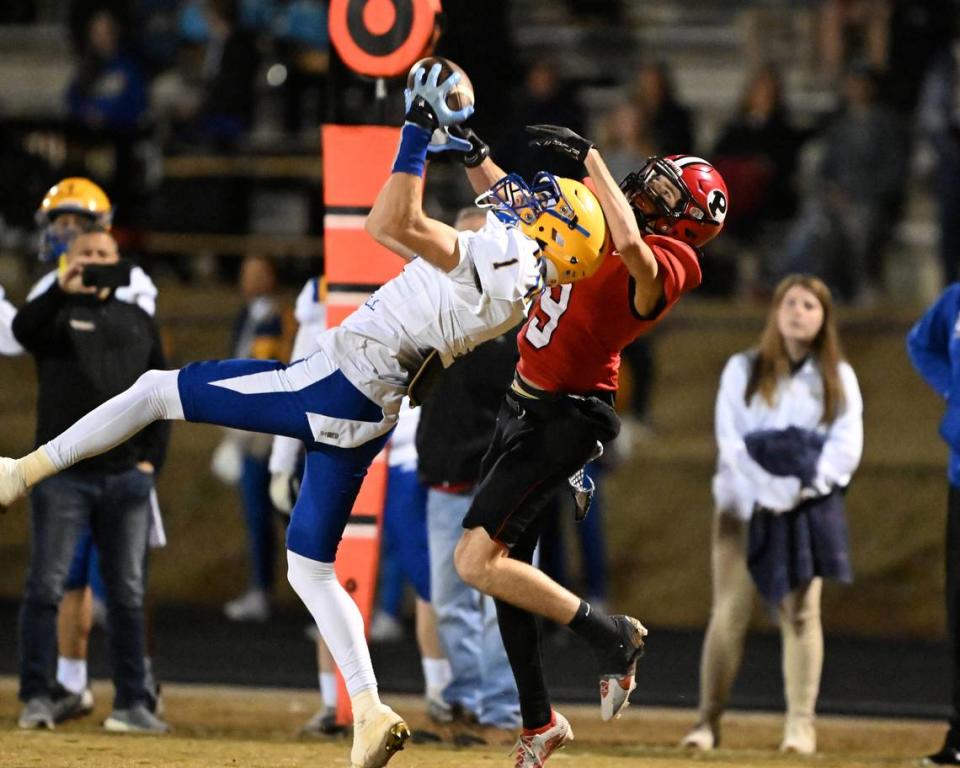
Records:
x=680, y=265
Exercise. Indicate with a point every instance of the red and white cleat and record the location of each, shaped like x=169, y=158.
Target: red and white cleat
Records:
x=534, y=747
x=616, y=687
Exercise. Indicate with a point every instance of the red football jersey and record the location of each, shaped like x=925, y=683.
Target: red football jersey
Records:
x=572, y=339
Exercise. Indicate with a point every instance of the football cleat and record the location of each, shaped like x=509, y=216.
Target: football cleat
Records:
x=619, y=681
x=534, y=747
x=377, y=737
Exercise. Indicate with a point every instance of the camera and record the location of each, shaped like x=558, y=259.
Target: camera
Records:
x=114, y=275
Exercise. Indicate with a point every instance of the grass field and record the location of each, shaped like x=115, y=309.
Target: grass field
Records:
x=258, y=727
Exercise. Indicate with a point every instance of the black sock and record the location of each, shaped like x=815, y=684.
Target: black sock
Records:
x=595, y=627
x=520, y=631
x=521, y=634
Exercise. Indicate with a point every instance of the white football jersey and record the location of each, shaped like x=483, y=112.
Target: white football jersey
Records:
x=424, y=308
x=385, y=341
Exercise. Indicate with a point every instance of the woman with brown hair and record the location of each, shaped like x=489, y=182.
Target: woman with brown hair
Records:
x=789, y=426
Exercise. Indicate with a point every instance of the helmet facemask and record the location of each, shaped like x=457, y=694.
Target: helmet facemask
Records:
x=63, y=226
x=514, y=202
x=660, y=198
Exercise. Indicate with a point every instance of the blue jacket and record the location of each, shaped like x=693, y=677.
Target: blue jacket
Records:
x=934, y=348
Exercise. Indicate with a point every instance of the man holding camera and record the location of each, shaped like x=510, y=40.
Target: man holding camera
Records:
x=88, y=347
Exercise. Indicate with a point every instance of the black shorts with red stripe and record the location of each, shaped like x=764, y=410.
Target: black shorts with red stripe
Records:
x=538, y=443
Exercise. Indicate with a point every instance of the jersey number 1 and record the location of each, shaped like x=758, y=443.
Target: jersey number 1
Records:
x=553, y=308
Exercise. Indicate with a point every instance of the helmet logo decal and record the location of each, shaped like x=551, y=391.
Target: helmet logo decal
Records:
x=717, y=204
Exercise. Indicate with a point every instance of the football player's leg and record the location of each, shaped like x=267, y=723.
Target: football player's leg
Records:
x=517, y=484
x=331, y=482
x=520, y=631
x=152, y=397
x=540, y=445
x=255, y=395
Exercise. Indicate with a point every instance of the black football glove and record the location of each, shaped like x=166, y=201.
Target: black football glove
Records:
x=420, y=112
x=479, y=149
x=560, y=139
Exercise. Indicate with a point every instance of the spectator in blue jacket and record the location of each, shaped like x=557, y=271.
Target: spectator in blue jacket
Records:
x=934, y=348
x=107, y=90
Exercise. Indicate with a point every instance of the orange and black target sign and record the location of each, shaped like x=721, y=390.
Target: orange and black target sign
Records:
x=382, y=38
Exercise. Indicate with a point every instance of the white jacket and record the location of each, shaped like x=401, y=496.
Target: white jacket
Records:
x=740, y=483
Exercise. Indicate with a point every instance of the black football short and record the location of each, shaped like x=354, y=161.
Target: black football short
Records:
x=537, y=445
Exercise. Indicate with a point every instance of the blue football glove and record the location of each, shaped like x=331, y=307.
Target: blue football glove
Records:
x=443, y=141
x=426, y=101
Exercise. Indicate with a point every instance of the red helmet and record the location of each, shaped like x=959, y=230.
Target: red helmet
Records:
x=678, y=196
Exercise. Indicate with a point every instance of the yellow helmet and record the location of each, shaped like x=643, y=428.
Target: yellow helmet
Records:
x=71, y=195
x=561, y=215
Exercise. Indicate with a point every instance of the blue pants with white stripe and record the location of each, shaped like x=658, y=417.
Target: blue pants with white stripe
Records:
x=249, y=395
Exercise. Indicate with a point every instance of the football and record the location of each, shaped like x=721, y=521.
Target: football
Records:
x=462, y=93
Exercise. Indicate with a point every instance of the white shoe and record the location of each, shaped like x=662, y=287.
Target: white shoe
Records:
x=534, y=747
x=384, y=628
x=616, y=687
x=703, y=737
x=377, y=737
x=252, y=605
x=12, y=484
x=799, y=736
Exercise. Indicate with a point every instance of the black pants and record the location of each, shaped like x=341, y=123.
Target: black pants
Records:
x=953, y=603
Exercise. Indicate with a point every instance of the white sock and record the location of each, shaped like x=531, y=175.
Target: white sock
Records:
x=72, y=674
x=437, y=676
x=338, y=619
x=328, y=689
x=152, y=397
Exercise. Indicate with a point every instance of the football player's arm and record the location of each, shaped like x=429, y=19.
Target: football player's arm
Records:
x=397, y=219
x=397, y=247
x=636, y=255
x=485, y=175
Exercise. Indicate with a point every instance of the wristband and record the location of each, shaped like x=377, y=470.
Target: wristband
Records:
x=412, y=152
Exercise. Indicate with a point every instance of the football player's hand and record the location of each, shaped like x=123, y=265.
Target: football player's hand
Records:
x=426, y=100
x=560, y=139
x=463, y=141
x=284, y=489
